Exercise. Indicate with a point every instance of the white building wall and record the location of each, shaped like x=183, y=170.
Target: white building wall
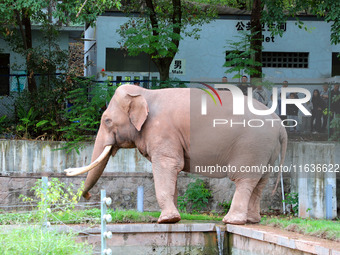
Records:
x=204, y=58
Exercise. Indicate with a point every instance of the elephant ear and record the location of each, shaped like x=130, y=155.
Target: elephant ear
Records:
x=138, y=110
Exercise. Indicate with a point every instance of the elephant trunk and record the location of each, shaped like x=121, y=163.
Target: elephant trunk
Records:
x=96, y=172
x=103, y=148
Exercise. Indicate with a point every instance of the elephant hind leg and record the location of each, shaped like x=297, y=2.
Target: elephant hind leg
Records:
x=239, y=206
x=253, y=215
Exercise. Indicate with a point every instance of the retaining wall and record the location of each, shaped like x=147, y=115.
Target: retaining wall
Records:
x=22, y=162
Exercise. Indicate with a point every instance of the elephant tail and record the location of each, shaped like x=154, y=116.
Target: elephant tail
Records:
x=283, y=142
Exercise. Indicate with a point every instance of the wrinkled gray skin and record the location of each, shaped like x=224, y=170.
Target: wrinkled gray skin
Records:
x=159, y=123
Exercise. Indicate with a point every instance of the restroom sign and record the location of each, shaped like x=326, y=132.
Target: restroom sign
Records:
x=246, y=26
x=178, y=67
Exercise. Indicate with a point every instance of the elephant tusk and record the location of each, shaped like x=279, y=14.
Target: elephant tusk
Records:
x=84, y=169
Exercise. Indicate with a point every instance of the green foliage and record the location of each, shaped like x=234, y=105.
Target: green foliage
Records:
x=157, y=32
x=327, y=229
x=54, y=198
x=335, y=123
x=85, y=107
x=160, y=27
x=92, y=216
x=27, y=121
x=39, y=113
x=292, y=200
x=225, y=205
x=3, y=124
x=195, y=198
x=34, y=240
x=278, y=11
x=241, y=56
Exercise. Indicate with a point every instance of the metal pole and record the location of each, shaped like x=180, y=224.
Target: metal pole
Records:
x=283, y=194
x=282, y=190
x=329, y=196
x=140, y=199
x=45, y=187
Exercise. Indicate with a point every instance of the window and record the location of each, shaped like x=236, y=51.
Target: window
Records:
x=4, y=74
x=118, y=60
x=283, y=59
x=335, y=64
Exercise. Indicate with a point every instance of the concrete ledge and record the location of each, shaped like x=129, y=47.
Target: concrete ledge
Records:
x=142, y=228
x=202, y=237
x=287, y=239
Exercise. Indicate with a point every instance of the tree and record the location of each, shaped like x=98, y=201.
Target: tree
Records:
x=276, y=12
x=17, y=17
x=239, y=57
x=158, y=29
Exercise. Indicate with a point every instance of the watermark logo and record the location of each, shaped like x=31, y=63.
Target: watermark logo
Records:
x=204, y=98
x=239, y=100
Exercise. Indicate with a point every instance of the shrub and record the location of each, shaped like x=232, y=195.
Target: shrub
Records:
x=195, y=198
x=53, y=199
x=292, y=201
x=83, y=113
x=225, y=205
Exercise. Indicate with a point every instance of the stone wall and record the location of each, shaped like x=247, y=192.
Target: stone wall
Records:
x=22, y=162
x=122, y=188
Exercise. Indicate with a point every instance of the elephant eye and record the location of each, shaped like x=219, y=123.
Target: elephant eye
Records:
x=108, y=121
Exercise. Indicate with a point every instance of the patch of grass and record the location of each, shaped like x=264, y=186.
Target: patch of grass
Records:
x=326, y=229
x=92, y=216
x=35, y=240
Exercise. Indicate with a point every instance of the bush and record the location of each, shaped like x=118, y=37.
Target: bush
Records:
x=195, y=198
x=68, y=110
x=83, y=113
x=53, y=199
x=292, y=201
x=225, y=205
x=35, y=240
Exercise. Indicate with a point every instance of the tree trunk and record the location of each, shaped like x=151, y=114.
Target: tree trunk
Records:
x=256, y=36
x=28, y=47
x=163, y=66
x=163, y=63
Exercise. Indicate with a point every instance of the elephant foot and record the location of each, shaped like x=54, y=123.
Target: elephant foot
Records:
x=169, y=217
x=253, y=218
x=235, y=218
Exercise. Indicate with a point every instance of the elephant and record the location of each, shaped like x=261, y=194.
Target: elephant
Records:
x=168, y=128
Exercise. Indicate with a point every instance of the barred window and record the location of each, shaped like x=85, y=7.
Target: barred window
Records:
x=281, y=59
x=285, y=59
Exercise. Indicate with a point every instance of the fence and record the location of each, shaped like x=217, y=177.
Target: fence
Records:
x=305, y=123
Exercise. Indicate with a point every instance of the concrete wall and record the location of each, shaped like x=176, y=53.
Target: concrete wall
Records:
x=22, y=162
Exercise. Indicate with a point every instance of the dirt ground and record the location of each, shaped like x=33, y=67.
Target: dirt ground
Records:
x=293, y=235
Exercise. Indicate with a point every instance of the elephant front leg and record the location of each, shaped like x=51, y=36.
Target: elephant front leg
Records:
x=239, y=206
x=165, y=176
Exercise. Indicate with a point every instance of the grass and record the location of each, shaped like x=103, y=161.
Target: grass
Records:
x=34, y=240
x=92, y=216
x=326, y=229
x=319, y=228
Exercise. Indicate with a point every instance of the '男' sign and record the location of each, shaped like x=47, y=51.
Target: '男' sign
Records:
x=178, y=67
